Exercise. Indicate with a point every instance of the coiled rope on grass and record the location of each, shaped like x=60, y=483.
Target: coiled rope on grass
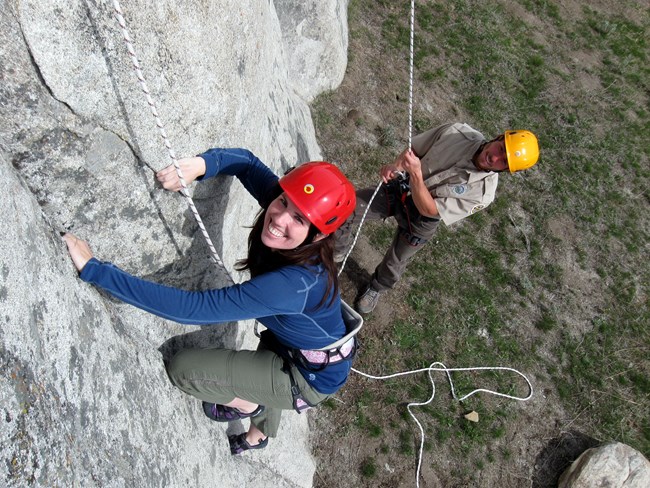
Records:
x=433, y=368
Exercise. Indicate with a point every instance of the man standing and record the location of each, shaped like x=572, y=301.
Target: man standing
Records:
x=452, y=172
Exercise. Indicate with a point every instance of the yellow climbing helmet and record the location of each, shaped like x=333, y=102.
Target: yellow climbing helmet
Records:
x=522, y=149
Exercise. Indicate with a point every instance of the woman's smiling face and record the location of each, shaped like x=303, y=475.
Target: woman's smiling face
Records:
x=285, y=227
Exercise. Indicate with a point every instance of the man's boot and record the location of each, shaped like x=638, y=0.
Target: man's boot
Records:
x=368, y=301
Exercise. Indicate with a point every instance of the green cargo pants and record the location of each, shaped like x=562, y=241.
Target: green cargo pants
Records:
x=221, y=375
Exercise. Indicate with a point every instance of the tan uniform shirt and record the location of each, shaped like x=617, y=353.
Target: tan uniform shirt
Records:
x=458, y=187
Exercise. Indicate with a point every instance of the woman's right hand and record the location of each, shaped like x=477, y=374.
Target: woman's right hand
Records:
x=191, y=168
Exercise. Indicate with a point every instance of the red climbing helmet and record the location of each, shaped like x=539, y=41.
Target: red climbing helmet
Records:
x=322, y=193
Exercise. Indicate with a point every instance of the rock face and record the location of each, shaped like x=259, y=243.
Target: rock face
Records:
x=613, y=465
x=84, y=396
x=315, y=55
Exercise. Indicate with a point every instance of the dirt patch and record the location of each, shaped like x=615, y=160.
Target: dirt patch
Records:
x=580, y=298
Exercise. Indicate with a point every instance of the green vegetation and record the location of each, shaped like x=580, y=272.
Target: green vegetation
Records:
x=551, y=279
x=368, y=468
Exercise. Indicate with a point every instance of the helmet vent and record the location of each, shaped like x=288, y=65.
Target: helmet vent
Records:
x=331, y=221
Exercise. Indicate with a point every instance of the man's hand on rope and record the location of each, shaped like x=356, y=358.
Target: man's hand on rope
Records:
x=390, y=171
x=411, y=164
x=79, y=250
x=406, y=161
x=191, y=168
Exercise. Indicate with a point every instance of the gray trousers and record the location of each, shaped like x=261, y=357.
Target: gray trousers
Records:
x=221, y=375
x=413, y=231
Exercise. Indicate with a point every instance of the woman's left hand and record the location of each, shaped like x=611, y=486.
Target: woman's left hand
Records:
x=79, y=250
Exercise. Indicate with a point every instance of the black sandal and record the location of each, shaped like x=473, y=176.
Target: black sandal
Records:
x=222, y=413
x=239, y=444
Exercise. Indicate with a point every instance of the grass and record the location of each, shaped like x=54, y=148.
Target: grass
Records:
x=368, y=468
x=553, y=277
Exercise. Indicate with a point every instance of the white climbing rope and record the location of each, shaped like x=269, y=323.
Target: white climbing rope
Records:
x=356, y=236
x=410, y=136
x=152, y=104
x=448, y=371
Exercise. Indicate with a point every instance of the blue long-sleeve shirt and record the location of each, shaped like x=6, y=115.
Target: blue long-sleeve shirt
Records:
x=286, y=300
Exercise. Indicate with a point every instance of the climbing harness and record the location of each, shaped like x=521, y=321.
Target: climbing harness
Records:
x=299, y=402
x=345, y=348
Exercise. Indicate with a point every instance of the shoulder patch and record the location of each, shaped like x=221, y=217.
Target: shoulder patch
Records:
x=476, y=208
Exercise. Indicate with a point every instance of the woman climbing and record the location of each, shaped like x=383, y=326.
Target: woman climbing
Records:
x=293, y=292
